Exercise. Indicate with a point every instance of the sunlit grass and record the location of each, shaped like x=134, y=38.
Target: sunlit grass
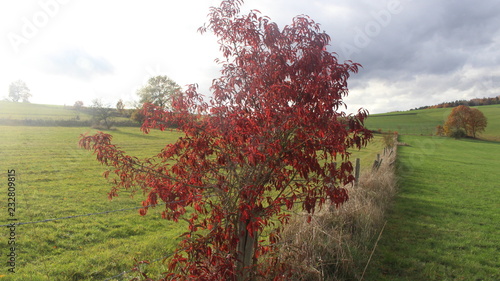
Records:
x=56, y=179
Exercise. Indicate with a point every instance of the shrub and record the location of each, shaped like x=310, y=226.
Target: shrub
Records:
x=457, y=133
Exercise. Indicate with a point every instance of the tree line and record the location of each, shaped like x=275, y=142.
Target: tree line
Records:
x=471, y=102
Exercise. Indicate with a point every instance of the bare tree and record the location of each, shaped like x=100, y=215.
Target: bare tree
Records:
x=102, y=114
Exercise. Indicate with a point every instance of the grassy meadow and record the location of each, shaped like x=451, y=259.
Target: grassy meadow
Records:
x=21, y=111
x=445, y=221
x=28, y=114
x=55, y=178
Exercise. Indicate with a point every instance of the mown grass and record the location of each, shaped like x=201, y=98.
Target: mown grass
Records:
x=444, y=224
x=424, y=122
x=57, y=179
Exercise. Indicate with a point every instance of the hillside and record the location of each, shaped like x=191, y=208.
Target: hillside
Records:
x=424, y=121
x=414, y=122
x=30, y=114
x=17, y=110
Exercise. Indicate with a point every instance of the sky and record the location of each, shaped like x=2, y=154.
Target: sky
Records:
x=413, y=53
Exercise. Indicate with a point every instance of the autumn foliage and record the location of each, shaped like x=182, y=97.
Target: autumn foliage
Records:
x=464, y=120
x=264, y=144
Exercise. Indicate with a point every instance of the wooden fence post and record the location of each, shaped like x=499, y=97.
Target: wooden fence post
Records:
x=356, y=172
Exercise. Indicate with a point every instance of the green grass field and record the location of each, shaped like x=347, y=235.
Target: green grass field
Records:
x=445, y=222
x=55, y=178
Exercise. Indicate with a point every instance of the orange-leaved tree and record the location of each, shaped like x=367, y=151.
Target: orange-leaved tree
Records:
x=477, y=122
x=464, y=120
x=265, y=143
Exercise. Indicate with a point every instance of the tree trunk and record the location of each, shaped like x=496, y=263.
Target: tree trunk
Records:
x=246, y=248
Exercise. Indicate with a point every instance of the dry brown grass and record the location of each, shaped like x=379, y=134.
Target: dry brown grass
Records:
x=337, y=243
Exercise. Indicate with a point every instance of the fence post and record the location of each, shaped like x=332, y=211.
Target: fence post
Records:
x=356, y=172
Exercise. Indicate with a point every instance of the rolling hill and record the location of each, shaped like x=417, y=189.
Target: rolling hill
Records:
x=424, y=121
x=30, y=114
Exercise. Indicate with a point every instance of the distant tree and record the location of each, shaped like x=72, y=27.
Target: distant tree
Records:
x=265, y=144
x=78, y=105
x=120, y=107
x=18, y=90
x=101, y=114
x=464, y=120
x=160, y=91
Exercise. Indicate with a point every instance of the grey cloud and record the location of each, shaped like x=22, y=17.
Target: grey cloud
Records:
x=425, y=52
x=425, y=37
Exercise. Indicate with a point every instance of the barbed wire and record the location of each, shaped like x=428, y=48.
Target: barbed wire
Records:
x=93, y=214
x=101, y=213
x=86, y=215
x=77, y=216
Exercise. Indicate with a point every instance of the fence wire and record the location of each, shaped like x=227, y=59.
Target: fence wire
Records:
x=84, y=215
x=102, y=213
x=92, y=214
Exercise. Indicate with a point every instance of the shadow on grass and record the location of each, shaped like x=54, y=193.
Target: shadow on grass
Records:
x=137, y=134
x=480, y=140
